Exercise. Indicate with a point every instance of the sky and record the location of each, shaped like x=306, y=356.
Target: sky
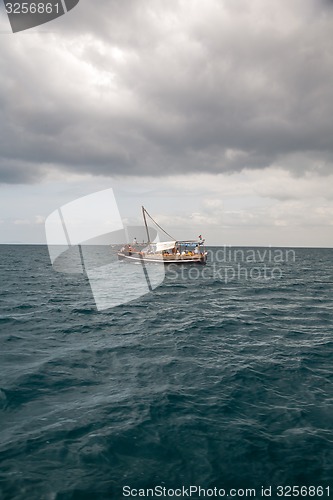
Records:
x=217, y=116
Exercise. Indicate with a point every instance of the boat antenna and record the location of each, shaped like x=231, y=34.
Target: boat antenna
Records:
x=154, y=221
x=144, y=218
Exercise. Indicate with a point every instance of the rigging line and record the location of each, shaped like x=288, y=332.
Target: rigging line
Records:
x=159, y=225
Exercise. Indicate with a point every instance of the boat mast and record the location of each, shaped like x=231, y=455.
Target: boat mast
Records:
x=154, y=221
x=144, y=218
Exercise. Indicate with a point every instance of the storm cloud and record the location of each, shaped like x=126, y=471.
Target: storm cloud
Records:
x=157, y=88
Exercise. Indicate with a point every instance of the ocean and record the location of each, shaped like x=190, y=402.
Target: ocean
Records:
x=218, y=383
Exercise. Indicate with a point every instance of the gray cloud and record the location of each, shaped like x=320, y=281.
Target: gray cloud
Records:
x=156, y=88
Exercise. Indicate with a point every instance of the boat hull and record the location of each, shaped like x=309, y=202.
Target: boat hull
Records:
x=178, y=259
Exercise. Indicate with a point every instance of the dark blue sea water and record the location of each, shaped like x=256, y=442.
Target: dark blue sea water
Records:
x=214, y=379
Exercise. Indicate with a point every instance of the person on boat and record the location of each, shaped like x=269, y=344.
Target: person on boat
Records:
x=196, y=250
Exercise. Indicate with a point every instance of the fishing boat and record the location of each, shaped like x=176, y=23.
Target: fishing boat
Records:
x=165, y=252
